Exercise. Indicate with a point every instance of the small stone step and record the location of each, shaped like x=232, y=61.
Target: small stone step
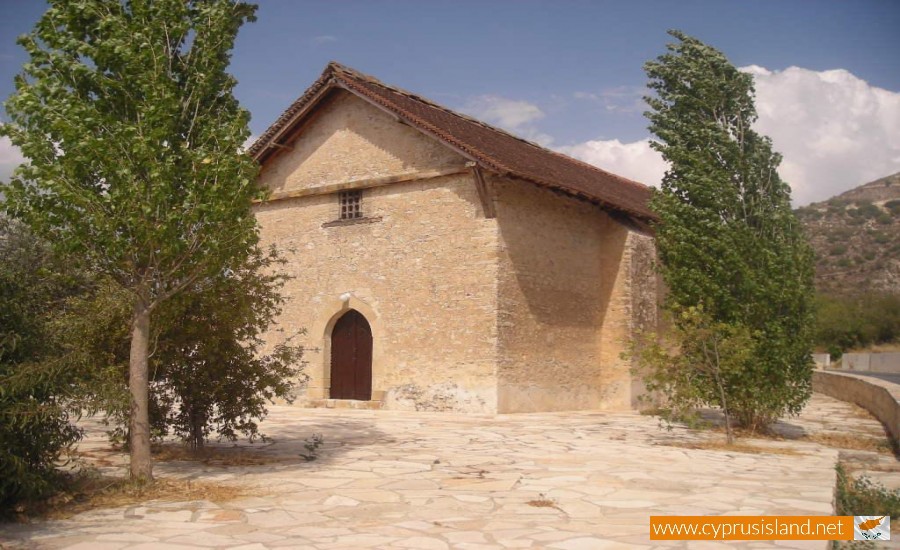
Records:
x=340, y=404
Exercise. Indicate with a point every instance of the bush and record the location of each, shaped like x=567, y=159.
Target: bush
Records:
x=893, y=206
x=209, y=375
x=36, y=387
x=862, y=496
x=865, y=210
x=857, y=321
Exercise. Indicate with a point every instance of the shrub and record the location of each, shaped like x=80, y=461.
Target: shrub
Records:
x=893, y=206
x=36, y=387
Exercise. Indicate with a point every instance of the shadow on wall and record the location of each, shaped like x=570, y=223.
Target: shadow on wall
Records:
x=562, y=257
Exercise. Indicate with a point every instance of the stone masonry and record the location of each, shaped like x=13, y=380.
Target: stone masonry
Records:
x=518, y=298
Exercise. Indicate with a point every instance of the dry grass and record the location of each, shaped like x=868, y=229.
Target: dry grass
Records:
x=543, y=501
x=855, y=442
x=716, y=445
x=214, y=456
x=858, y=412
x=89, y=491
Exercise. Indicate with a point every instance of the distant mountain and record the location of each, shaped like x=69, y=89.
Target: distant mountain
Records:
x=856, y=236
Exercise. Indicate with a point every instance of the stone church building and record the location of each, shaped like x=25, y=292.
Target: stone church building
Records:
x=440, y=263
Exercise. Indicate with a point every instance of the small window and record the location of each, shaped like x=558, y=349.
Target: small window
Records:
x=351, y=204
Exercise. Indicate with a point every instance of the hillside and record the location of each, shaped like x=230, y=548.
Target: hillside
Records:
x=856, y=236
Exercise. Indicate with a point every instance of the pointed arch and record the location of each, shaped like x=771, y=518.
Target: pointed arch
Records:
x=351, y=357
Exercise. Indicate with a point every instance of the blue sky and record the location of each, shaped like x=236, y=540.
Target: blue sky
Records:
x=568, y=74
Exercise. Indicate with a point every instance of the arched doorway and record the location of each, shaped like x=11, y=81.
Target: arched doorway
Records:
x=351, y=358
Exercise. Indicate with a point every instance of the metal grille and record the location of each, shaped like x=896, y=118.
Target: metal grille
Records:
x=351, y=204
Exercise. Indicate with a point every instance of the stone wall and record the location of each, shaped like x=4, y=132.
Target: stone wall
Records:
x=350, y=140
x=528, y=311
x=421, y=267
x=879, y=397
x=565, y=301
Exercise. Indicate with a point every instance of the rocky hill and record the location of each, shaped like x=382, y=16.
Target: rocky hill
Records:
x=856, y=236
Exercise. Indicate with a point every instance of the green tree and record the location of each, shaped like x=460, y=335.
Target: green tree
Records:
x=211, y=374
x=728, y=241
x=126, y=115
x=34, y=385
x=856, y=321
x=209, y=370
x=707, y=357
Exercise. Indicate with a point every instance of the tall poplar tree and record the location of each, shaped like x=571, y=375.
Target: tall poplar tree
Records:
x=729, y=244
x=126, y=114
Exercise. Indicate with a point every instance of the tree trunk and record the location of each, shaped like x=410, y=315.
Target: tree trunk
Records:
x=729, y=432
x=138, y=384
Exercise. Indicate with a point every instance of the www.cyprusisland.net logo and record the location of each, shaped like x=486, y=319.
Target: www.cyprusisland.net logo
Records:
x=871, y=528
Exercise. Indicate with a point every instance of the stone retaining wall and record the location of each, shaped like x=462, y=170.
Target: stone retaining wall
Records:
x=879, y=397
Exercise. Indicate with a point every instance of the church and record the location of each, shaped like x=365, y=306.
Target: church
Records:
x=438, y=263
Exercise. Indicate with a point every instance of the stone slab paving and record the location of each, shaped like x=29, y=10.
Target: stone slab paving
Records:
x=400, y=480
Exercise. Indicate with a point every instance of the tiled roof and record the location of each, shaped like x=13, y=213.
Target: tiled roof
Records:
x=493, y=149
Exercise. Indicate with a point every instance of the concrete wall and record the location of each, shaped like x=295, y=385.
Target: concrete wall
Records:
x=885, y=362
x=421, y=269
x=879, y=397
x=566, y=306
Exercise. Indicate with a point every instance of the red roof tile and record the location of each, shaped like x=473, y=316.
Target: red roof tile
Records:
x=492, y=148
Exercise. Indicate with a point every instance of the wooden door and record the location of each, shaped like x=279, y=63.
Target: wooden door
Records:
x=351, y=358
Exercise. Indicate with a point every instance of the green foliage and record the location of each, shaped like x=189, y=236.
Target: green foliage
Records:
x=893, y=207
x=840, y=233
x=808, y=213
x=126, y=114
x=35, y=386
x=856, y=321
x=700, y=362
x=862, y=496
x=727, y=238
x=209, y=373
x=865, y=210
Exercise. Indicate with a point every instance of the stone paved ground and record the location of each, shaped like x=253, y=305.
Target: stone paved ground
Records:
x=398, y=480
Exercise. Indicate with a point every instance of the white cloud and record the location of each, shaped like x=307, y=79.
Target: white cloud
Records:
x=635, y=160
x=513, y=115
x=834, y=129
x=10, y=157
x=249, y=142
